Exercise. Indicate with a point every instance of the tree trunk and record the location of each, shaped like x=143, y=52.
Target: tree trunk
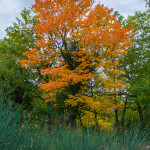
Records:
x=49, y=124
x=96, y=122
x=116, y=116
x=73, y=120
x=123, y=115
x=73, y=117
x=140, y=111
x=140, y=114
x=116, y=113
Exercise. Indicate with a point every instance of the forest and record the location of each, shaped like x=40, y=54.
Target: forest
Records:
x=75, y=75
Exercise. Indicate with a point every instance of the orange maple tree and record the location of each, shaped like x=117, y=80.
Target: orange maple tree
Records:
x=78, y=49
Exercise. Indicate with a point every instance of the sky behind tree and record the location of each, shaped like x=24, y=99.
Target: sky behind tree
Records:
x=10, y=9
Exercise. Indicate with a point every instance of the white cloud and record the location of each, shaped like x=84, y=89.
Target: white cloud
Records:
x=10, y=9
x=9, y=6
x=124, y=7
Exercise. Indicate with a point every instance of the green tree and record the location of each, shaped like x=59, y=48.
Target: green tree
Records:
x=20, y=37
x=137, y=68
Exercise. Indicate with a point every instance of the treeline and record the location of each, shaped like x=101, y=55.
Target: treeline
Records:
x=77, y=70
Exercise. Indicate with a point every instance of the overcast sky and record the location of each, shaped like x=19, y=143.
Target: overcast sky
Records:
x=10, y=9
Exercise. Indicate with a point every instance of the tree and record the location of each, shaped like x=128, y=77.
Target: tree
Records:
x=20, y=37
x=136, y=65
x=76, y=41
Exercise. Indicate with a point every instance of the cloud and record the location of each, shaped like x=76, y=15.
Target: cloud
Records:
x=124, y=7
x=10, y=9
x=9, y=6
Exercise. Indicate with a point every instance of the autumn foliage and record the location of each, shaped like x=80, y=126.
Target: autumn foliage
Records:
x=77, y=51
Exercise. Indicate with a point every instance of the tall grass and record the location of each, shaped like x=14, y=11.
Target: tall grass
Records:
x=8, y=125
x=17, y=135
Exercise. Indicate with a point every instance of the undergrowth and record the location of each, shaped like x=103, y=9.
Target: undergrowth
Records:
x=16, y=134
